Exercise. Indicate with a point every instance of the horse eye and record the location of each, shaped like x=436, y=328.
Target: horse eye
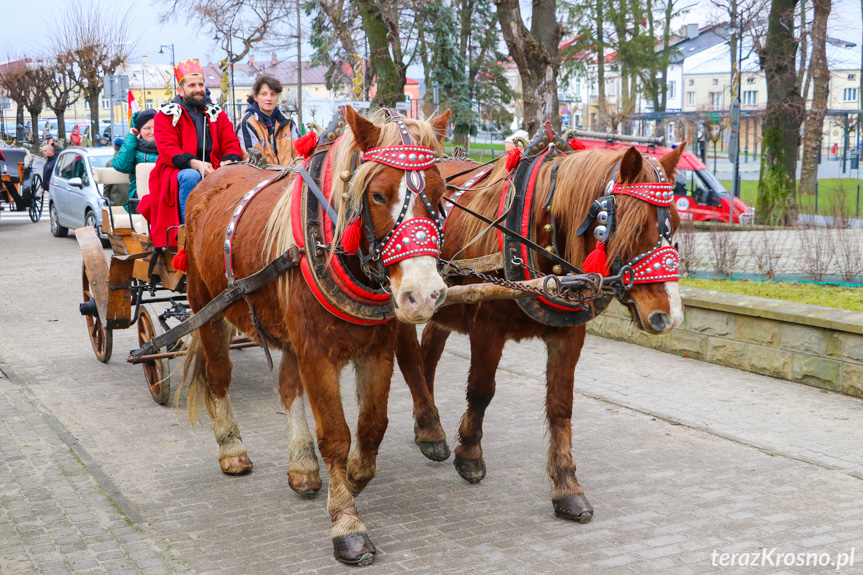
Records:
x=379, y=198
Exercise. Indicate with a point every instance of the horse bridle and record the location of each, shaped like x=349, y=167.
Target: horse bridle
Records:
x=409, y=237
x=659, y=264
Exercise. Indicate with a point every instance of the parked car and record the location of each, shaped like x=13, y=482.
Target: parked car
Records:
x=75, y=200
x=698, y=194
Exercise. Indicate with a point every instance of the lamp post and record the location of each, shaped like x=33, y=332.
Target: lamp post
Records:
x=173, y=64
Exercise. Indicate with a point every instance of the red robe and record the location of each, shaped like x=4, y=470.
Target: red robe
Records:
x=177, y=141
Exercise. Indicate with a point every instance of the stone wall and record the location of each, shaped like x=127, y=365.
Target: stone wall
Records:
x=815, y=345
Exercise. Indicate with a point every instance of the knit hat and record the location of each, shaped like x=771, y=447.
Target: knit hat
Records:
x=118, y=142
x=143, y=117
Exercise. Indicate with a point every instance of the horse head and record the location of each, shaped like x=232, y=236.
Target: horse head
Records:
x=635, y=219
x=389, y=206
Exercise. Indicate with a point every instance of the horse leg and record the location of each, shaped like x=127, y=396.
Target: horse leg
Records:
x=374, y=373
x=486, y=347
x=564, y=349
x=303, y=470
x=428, y=433
x=350, y=538
x=216, y=339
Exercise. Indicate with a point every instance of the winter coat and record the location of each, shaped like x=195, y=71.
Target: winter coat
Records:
x=130, y=156
x=177, y=141
x=253, y=133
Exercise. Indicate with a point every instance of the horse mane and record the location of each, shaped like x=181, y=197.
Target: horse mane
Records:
x=581, y=179
x=278, y=236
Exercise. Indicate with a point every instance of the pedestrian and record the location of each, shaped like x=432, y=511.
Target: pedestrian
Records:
x=50, y=155
x=46, y=133
x=264, y=127
x=193, y=137
x=835, y=150
x=75, y=136
x=139, y=147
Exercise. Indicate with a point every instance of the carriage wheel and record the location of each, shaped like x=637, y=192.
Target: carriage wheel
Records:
x=101, y=339
x=156, y=372
x=37, y=200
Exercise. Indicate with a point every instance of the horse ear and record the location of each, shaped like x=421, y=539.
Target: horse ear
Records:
x=365, y=133
x=439, y=124
x=669, y=161
x=630, y=165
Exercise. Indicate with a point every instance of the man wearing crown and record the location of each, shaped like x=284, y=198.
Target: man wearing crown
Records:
x=193, y=137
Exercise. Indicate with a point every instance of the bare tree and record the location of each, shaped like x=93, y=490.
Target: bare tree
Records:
x=849, y=253
x=36, y=78
x=240, y=25
x=61, y=89
x=96, y=41
x=536, y=53
x=819, y=74
x=14, y=81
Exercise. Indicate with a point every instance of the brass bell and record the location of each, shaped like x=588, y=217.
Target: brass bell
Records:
x=547, y=227
x=346, y=196
x=549, y=249
x=331, y=136
x=557, y=270
x=346, y=176
x=548, y=208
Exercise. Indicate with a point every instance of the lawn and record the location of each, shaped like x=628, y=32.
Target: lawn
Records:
x=825, y=295
x=830, y=194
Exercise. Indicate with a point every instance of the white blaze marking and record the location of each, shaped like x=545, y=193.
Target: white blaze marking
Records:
x=675, y=304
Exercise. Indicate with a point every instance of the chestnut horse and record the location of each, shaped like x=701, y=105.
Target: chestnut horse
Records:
x=315, y=343
x=655, y=307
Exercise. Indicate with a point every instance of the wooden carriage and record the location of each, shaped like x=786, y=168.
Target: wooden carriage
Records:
x=135, y=285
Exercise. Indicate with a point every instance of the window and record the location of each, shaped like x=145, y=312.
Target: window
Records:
x=86, y=104
x=671, y=92
x=690, y=98
x=716, y=81
x=73, y=167
x=63, y=164
x=692, y=82
x=750, y=97
x=750, y=80
x=849, y=95
x=852, y=77
x=149, y=104
x=106, y=103
x=716, y=100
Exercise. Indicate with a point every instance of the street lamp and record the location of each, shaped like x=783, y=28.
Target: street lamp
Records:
x=173, y=63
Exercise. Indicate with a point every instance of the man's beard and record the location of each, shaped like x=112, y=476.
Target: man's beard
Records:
x=197, y=102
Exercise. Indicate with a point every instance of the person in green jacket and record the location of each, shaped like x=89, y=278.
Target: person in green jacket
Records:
x=139, y=147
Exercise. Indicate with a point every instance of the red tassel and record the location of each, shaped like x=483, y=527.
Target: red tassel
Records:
x=181, y=261
x=512, y=158
x=576, y=145
x=305, y=145
x=596, y=261
x=351, y=237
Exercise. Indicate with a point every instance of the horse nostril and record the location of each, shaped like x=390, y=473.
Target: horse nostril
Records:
x=410, y=296
x=659, y=321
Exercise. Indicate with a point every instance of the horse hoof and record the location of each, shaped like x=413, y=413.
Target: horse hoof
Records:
x=434, y=450
x=573, y=507
x=471, y=470
x=304, y=483
x=354, y=549
x=236, y=465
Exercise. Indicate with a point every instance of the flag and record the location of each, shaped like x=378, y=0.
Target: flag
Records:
x=133, y=106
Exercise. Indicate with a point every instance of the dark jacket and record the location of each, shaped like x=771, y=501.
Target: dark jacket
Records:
x=47, y=170
x=129, y=156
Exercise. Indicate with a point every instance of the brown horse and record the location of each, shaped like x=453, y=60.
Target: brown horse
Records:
x=655, y=307
x=315, y=343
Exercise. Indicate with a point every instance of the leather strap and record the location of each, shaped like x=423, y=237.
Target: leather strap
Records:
x=240, y=288
x=319, y=195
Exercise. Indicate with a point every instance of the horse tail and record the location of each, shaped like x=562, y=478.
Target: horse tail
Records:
x=195, y=372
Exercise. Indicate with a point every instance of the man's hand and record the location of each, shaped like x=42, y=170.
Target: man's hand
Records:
x=204, y=168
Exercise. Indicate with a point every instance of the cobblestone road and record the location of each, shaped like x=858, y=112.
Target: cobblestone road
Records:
x=679, y=458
